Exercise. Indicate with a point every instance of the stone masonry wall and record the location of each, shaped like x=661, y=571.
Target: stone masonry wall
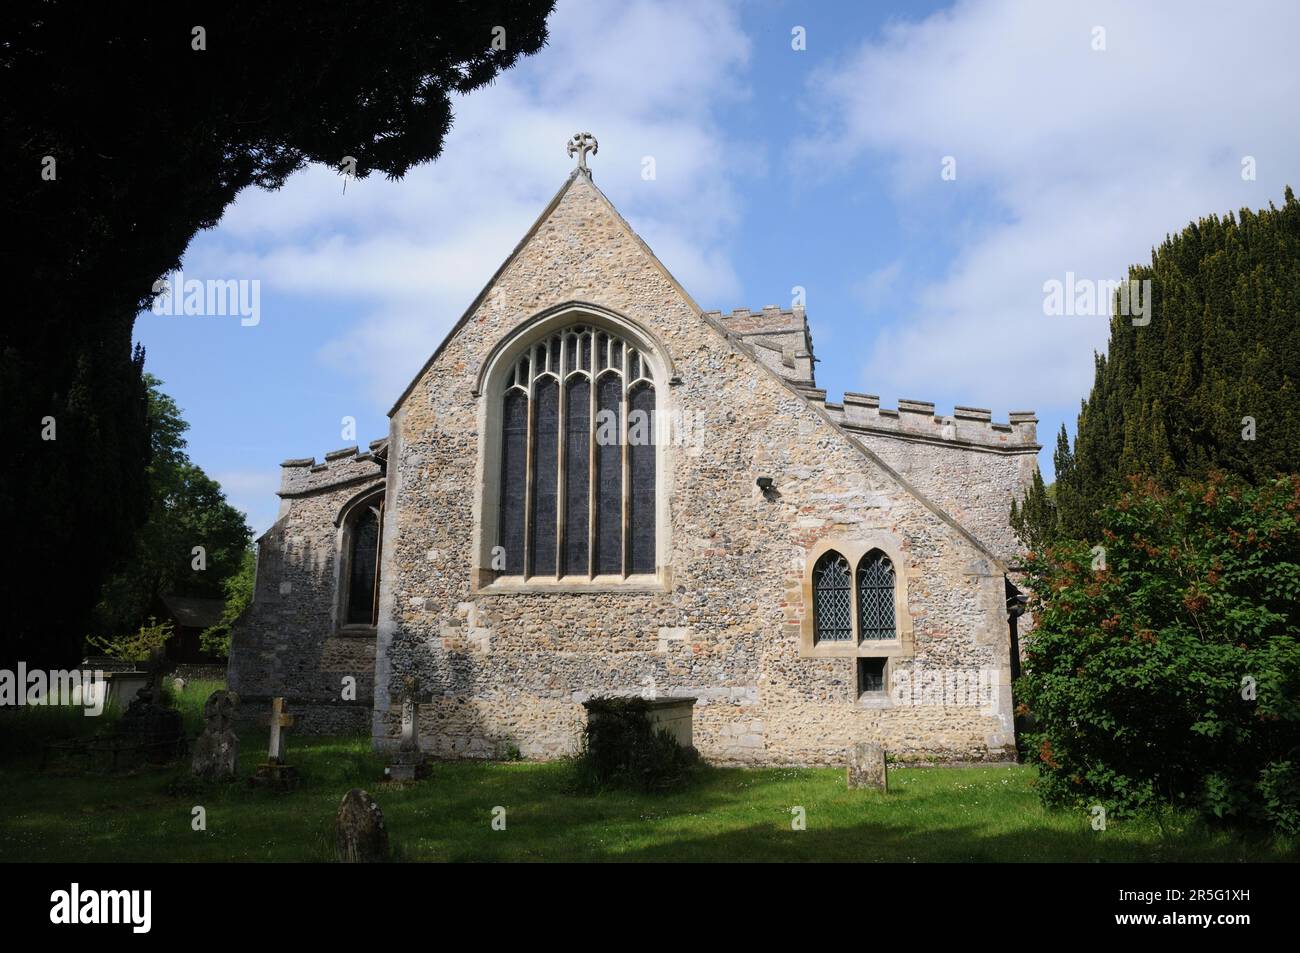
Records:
x=504, y=670
x=288, y=642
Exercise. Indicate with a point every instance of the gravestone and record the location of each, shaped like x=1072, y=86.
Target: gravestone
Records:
x=216, y=753
x=158, y=732
x=867, y=767
x=360, y=836
x=275, y=773
x=409, y=761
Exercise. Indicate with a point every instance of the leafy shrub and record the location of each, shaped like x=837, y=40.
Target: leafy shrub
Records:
x=1172, y=673
x=622, y=749
x=238, y=591
x=143, y=644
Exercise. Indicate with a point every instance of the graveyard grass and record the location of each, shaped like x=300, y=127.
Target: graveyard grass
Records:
x=930, y=814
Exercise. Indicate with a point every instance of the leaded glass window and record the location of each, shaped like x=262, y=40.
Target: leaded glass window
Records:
x=363, y=565
x=832, y=599
x=876, y=597
x=578, y=459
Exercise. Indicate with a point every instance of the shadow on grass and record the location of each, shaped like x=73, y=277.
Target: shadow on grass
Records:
x=723, y=814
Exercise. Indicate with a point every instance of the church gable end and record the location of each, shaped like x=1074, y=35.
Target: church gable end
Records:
x=595, y=488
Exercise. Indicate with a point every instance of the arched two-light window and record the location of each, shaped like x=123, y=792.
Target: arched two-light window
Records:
x=854, y=603
x=577, y=467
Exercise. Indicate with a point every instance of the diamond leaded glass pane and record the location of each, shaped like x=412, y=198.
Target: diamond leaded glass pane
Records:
x=832, y=602
x=876, y=596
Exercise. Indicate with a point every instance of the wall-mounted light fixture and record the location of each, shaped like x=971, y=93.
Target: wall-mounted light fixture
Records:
x=764, y=483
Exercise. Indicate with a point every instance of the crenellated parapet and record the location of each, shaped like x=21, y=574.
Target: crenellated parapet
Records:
x=340, y=467
x=972, y=427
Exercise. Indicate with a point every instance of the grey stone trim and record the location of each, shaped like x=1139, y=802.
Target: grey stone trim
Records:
x=1009, y=450
x=915, y=407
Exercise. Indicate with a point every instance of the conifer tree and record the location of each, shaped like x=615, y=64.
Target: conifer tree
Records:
x=1212, y=382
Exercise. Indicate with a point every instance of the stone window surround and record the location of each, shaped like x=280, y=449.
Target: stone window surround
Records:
x=489, y=391
x=853, y=549
x=343, y=561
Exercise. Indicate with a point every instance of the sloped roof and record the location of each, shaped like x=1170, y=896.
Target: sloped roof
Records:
x=734, y=340
x=194, y=612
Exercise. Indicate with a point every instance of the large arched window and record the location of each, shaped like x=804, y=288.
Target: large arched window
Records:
x=876, y=597
x=577, y=463
x=832, y=599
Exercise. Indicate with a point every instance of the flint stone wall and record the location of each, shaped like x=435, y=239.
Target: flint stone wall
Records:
x=509, y=670
x=288, y=641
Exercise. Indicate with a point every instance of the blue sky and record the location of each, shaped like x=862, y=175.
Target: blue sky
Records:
x=775, y=168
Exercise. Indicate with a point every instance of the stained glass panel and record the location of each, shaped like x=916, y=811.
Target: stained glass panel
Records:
x=514, y=476
x=609, y=476
x=365, y=548
x=546, y=440
x=641, y=494
x=577, y=474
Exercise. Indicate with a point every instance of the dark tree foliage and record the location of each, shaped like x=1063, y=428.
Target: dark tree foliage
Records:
x=1171, y=399
x=1034, y=517
x=1167, y=671
x=187, y=508
x=151, y=140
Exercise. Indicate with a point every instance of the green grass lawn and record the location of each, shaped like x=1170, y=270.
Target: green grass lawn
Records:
x=930, y=814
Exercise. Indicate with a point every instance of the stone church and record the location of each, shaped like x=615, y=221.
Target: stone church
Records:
x=594, y=487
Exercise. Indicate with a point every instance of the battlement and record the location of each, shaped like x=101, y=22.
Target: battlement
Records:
x=778, y=338
x=347, y=465
x=916, y=420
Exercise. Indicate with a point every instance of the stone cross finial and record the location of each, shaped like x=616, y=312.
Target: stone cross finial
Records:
x=410, y=716
x=580, y=145
x=280, y=719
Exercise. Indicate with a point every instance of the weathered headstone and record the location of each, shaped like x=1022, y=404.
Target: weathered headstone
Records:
x=178, y=685
x=360, y=836
x=275, y=773
x=867, y=767
x=158, y=732
x=409, y=762
x=216, y=753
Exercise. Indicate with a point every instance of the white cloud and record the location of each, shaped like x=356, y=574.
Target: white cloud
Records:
x=1084, y=160
x=252, y=492
x=646, y=78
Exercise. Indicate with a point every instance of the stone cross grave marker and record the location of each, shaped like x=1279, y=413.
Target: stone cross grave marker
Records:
x=410, y=716
x=280, y=720
x=409, y=763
